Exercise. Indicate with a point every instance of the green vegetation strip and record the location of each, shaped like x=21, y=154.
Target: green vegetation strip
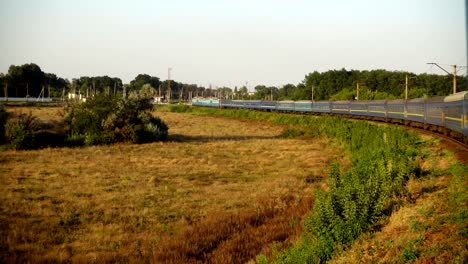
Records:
x=383, y=158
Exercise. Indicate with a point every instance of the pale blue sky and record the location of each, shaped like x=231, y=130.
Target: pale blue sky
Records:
x=230, y=42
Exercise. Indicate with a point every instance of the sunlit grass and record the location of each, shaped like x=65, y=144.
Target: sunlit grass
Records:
x=117, y=202
x=431, y=227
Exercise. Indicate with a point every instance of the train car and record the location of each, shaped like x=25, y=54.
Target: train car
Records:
x=416, y=110
x=285, y=106
x=442, y=114
x=211, y=102
x=253, y=104
x=358, y=107
x=303, y=106
x=268, y=105
x=321, y=107
x=435, y=111
x=340, y=107
x=396, y=109
x=377, y=108
x=232, y=103
x=456, y=110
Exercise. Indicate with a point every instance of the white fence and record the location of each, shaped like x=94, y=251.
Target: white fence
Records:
x=26, y=99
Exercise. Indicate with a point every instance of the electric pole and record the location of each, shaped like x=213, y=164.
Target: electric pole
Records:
x=406, y=87
x=357, y=89
x=169, y=84
x=454, y=74
x=454, y=79
x=312, y=93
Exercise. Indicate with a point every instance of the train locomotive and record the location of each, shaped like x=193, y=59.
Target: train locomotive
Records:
x=447, y=115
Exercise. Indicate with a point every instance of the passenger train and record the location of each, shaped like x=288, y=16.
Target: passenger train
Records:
x=445, y=114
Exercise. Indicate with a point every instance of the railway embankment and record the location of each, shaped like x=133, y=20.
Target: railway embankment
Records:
x=395, y=176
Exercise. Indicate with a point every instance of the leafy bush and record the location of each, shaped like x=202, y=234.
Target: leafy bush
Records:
x=3, y=120
x=105, y=119
x=19, y=131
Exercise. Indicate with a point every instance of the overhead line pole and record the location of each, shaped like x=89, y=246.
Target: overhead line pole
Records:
x=406, y=87
x=357, y=89
x=169, y=85
x=312, y=93
x=454, y=74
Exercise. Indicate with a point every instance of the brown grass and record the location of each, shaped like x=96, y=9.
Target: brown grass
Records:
x=136, y=203
x=237, y=238
x=49, y=113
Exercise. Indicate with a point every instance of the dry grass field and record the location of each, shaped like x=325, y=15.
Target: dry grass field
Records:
x=220, y=190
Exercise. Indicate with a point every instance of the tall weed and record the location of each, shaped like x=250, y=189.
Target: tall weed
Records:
x=383, y=158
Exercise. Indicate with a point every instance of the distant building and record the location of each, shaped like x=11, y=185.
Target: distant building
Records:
x=158, y=99
x=75, y=96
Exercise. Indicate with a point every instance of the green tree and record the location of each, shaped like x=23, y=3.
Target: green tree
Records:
x=26, y=79
x=142, y=79
x=243, y=92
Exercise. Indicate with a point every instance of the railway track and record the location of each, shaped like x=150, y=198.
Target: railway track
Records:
x=450, y=139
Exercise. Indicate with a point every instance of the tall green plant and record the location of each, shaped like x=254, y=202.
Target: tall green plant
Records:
x=382, y=157
x=3, y=120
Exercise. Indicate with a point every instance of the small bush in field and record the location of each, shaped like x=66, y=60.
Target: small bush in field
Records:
x=3, y=120
x=20, y=130
x=24, y=131
x=105, y=119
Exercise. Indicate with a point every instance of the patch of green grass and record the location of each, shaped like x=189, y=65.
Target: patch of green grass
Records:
x=292, y=133
x=382, y=157
x=410, y=254
x=416, y=225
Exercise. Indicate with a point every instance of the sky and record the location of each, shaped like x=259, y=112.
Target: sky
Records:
x=230, y=42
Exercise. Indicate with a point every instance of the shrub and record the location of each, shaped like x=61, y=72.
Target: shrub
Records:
x=3, y=120
x=19, y=131
x=105, y=119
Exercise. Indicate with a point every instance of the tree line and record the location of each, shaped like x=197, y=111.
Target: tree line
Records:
x=29, y=80
x=373, y=85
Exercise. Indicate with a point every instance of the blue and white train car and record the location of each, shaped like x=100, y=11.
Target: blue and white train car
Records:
x=446, y=113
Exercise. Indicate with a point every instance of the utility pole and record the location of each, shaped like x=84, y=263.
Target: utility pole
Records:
x=312, y=93
x=6, y=91
x=169, y=84
x=357, y=88
x=454, y=74
x=181, y=94
x=454, y=79
x=406, y=87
